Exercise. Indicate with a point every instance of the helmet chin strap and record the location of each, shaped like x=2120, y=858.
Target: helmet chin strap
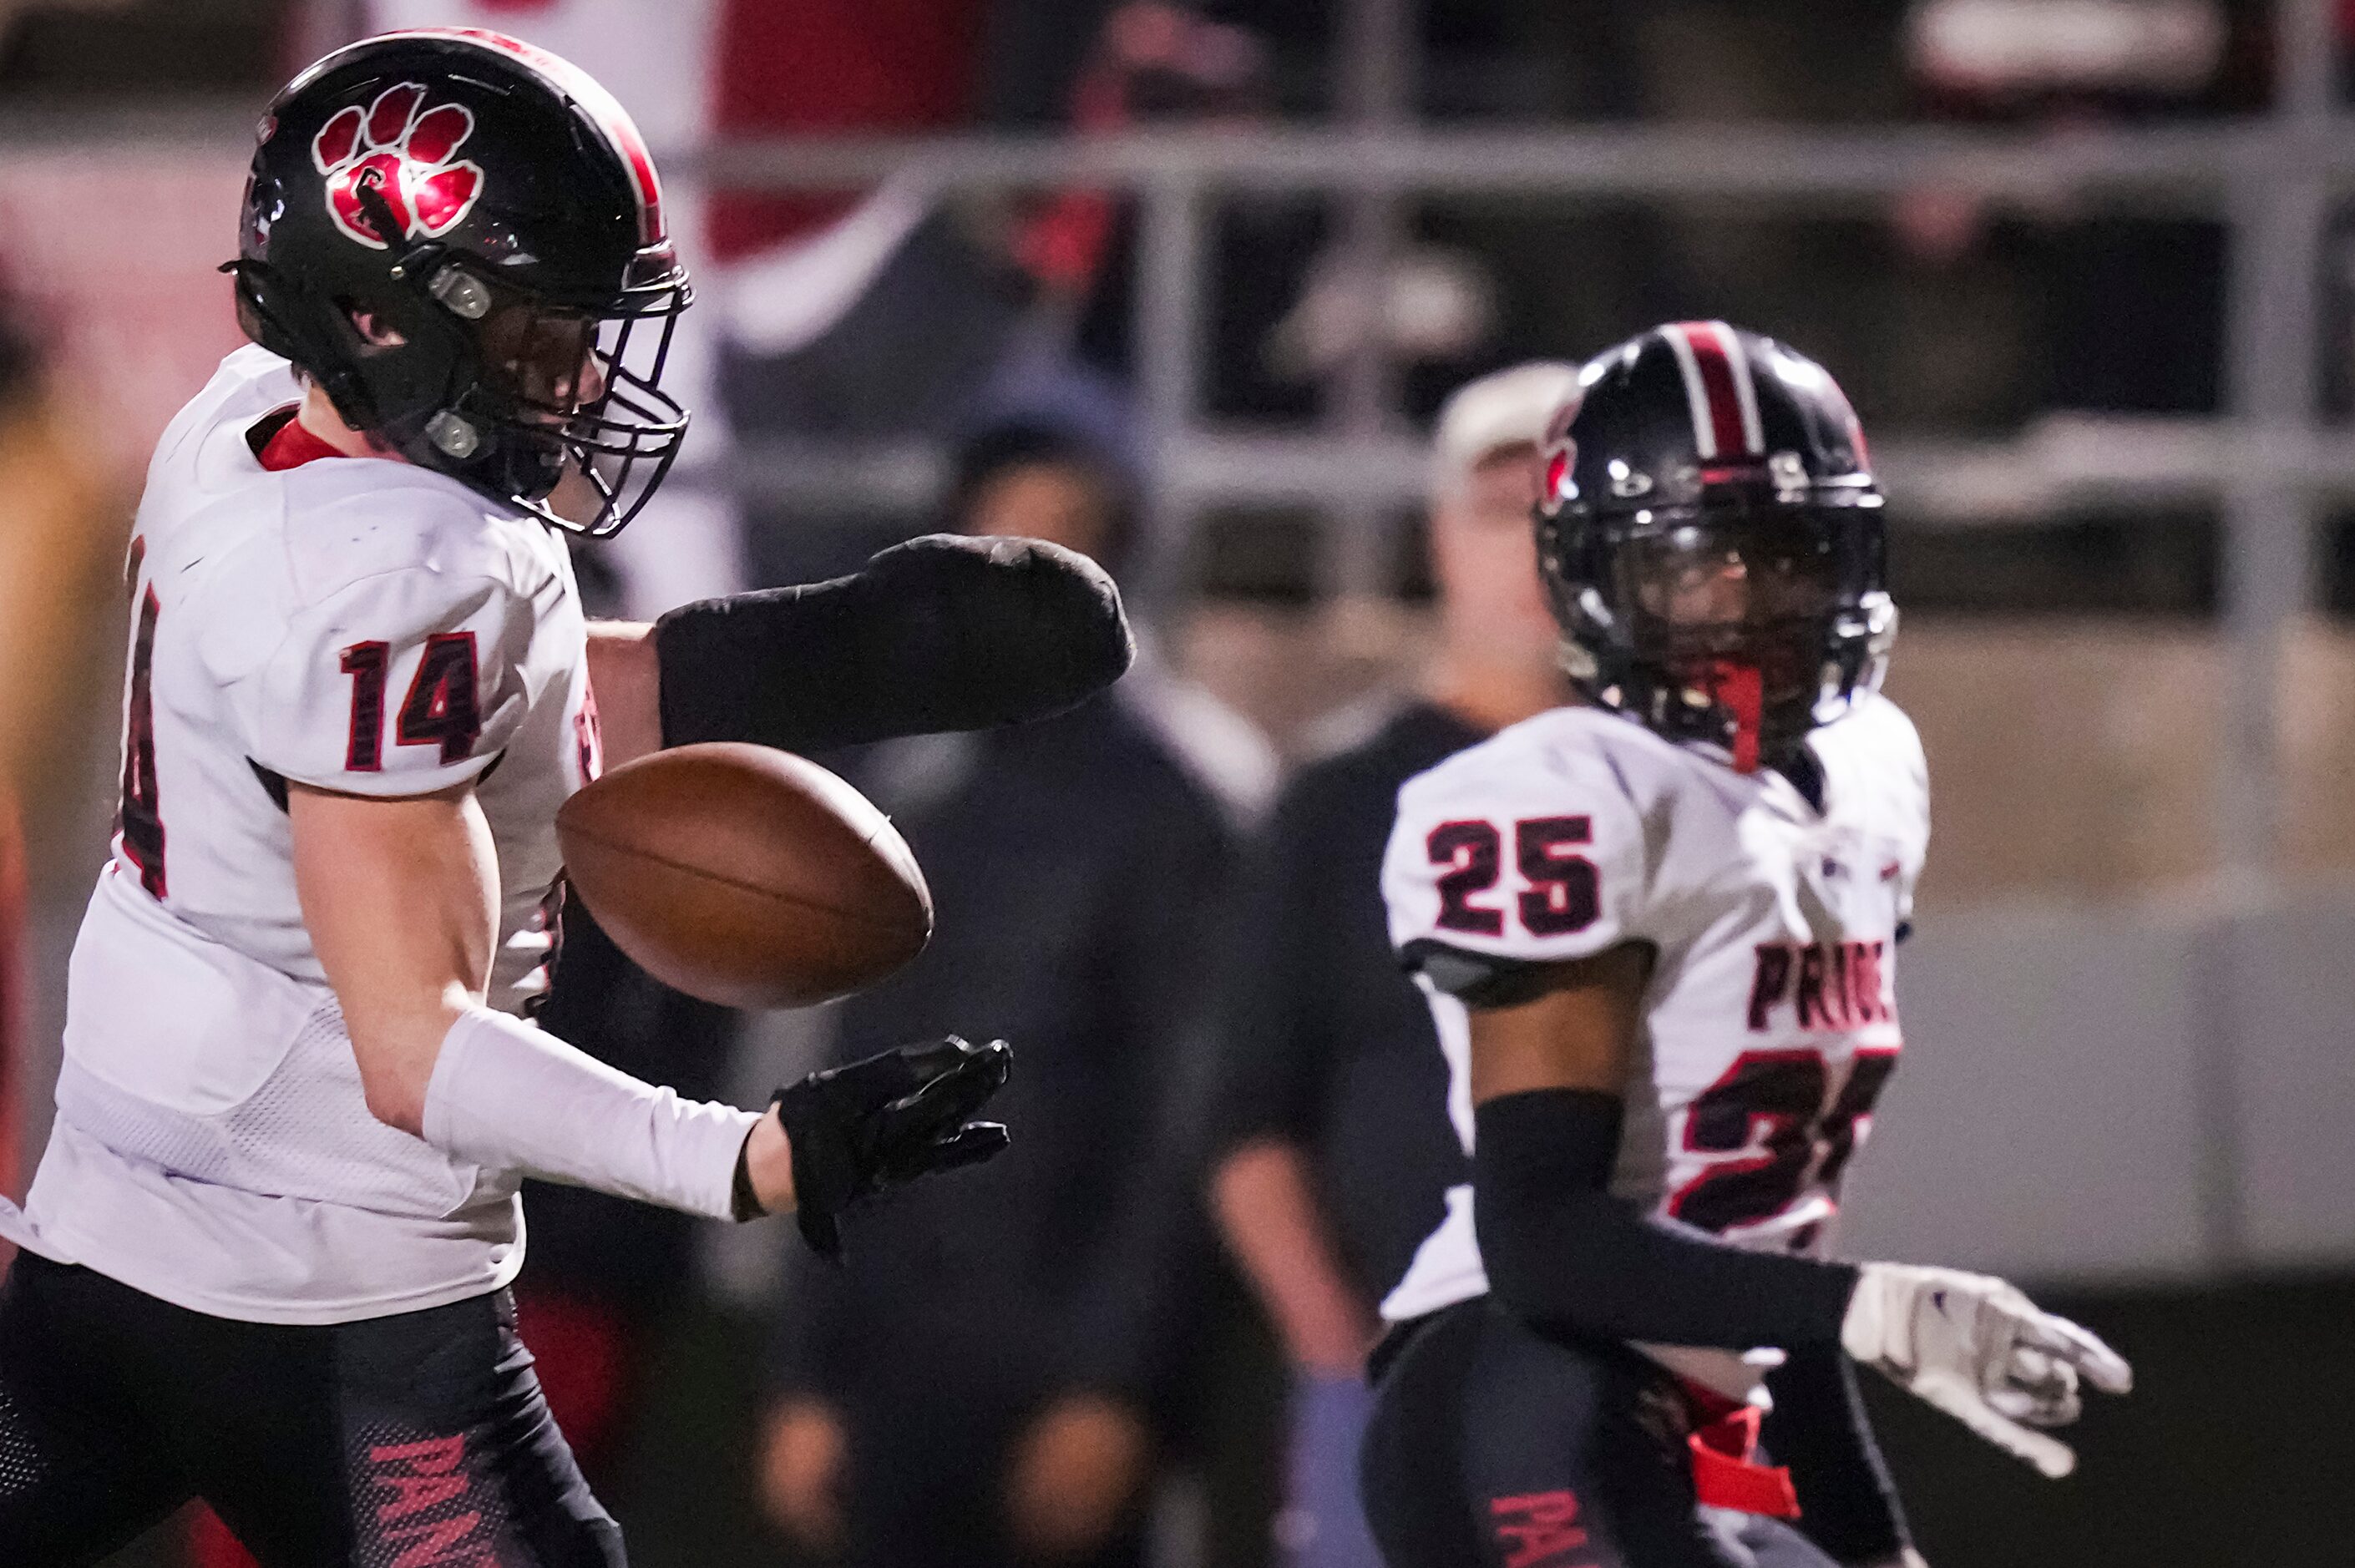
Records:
x=1739, y=687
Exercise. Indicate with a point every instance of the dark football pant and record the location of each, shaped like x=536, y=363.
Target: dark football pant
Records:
x=417, y=1438
x=1493, y=1447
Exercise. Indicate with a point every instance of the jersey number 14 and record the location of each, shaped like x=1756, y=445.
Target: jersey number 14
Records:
x=440, y=710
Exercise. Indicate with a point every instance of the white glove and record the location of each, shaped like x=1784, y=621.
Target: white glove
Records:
x=1979, y=1350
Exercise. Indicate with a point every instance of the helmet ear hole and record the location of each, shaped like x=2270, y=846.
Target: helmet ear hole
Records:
x=373, y=328
x=249, y=316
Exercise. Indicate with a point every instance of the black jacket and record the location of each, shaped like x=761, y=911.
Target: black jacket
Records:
x=1078, y=875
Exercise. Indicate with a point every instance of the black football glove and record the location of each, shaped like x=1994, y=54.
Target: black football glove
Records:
x=888, y=1119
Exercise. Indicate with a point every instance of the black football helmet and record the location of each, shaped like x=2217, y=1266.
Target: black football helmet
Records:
x=493, y=215
x=1711, y=540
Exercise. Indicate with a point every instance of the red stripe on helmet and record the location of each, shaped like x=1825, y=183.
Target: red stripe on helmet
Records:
x=1713, y=359
x=604, y=111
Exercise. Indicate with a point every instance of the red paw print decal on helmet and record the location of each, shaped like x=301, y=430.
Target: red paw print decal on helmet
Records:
x=403, y=151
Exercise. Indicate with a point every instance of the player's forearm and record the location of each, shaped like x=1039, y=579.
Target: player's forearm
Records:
x=626, y=676
x=1817, y=1430
x=937, y=634
x=498, y=1093
x=400, y=899
x=508, y=1096
x=940, y=634
x=1561, y=1253
x=1268, y=1212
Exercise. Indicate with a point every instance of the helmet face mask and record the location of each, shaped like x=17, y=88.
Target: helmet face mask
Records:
x=493, y=215
x=1734, y=599
x=566, y=390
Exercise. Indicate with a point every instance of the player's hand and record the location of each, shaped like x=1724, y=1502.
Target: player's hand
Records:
x=890, y=1118
x=1075, y=1473
x=1981, y=1351
x=800, y=1474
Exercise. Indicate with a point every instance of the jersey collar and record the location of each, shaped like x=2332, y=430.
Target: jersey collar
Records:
x=291, y=445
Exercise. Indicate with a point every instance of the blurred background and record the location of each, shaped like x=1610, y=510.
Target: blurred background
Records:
x=1184, y=285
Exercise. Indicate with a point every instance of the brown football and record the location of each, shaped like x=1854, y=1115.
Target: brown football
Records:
x=745, y=875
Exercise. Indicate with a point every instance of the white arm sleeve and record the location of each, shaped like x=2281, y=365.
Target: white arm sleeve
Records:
x=509, y=1098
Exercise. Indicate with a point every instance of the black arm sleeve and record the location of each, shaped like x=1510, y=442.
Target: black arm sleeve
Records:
x=940, y=633
x=1818, y=1431
x=1564, y=1254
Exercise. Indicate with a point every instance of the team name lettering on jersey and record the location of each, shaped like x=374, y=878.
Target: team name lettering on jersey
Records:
x=1831, y=985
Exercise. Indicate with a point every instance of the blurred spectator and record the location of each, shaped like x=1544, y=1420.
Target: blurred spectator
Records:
x=980, y=1384
x=2132, y=306
x=1333, y=1147
x=61, y=545
x=1167, y=65
x=22, y=545
x=908, y=313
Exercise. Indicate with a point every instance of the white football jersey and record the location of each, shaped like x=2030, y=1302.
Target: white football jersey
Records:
x=355, y=624
x=1770, y=1018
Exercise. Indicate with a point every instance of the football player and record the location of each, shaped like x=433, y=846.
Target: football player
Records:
x=1659, y=929
x=268, y=1246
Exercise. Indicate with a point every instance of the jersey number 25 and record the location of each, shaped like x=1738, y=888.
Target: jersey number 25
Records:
x=1563, y=893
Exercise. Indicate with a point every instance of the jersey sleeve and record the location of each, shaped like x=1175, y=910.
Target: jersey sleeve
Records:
x=1908, y=770
x=1501, y=860
x=1919, y=843
x=400, y=684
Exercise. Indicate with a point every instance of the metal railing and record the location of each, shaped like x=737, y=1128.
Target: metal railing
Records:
x=2272, y=181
